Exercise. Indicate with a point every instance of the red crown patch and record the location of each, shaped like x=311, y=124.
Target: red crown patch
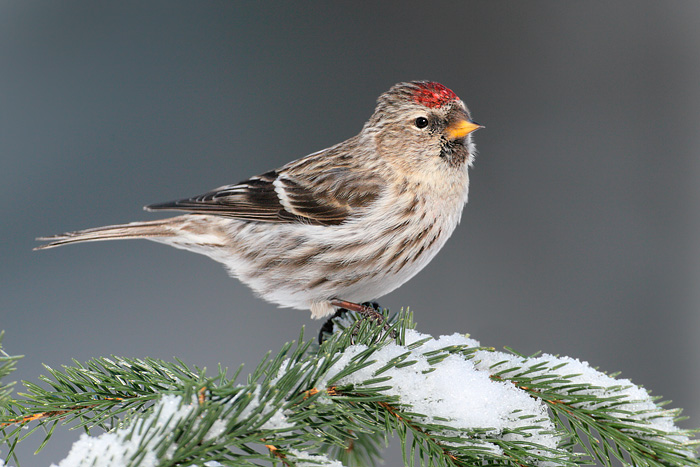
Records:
x=433, y=94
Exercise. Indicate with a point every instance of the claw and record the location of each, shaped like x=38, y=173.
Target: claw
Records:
x=368, y=310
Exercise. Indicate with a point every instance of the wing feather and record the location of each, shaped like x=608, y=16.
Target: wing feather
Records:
x=322, y=198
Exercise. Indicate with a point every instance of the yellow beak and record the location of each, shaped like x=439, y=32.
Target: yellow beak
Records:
x=461, y=128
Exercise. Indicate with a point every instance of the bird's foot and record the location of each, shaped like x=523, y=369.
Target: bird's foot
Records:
x=368, y=310
x=327, y=328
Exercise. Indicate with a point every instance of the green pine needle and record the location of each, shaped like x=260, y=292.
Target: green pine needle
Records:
x=298, y=407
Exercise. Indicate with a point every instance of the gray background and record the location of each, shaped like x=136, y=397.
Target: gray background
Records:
x=582, y=232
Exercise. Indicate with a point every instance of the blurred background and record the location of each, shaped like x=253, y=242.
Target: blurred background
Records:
x=581, y=237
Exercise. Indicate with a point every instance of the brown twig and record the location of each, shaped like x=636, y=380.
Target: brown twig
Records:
x=53, y=413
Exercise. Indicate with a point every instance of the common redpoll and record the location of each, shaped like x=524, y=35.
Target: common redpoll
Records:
x=340, y=226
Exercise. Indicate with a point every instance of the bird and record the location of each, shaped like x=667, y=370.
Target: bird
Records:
x=341, y=226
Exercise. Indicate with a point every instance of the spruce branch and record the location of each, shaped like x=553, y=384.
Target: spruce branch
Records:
x=450, y=401
x=8, y=364
x=607, y=418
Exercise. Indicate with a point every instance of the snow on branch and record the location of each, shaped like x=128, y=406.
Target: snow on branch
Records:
x=449, y=400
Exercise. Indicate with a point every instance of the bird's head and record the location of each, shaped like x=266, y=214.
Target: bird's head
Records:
x=423, y=122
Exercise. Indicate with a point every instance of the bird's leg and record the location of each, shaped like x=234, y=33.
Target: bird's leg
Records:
x=367, y=310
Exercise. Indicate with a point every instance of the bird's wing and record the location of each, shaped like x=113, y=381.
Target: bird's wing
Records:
x=327, y=198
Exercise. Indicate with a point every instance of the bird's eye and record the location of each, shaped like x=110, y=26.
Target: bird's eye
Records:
x=421, y=122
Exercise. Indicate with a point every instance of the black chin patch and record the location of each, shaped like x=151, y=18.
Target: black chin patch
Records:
x=454, y=152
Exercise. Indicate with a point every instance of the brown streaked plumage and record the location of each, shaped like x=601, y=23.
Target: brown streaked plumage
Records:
x=346, y=224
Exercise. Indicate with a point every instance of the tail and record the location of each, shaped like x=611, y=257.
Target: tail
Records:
x=150, y=229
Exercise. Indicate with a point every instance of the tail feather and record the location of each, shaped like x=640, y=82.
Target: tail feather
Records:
x=149, y=229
